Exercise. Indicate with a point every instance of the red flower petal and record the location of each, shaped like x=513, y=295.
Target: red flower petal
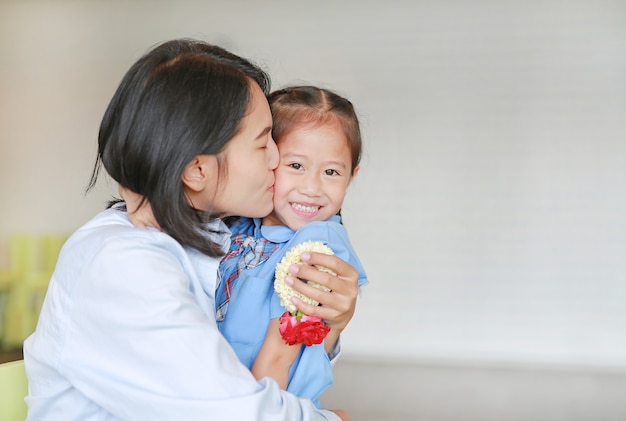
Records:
x=309, y=330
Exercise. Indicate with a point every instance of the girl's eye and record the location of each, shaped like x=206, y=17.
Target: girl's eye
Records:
x=331, y=172
x=295, y=166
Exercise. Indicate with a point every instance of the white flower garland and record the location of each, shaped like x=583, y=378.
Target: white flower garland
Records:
x=284, y=291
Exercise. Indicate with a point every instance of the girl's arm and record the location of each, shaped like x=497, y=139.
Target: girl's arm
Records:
x=275, y=357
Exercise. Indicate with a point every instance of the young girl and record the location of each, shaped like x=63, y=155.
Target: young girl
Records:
x=319, y=143
x=127, y=330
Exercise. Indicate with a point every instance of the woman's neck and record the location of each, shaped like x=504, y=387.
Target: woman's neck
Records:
x=139, y=210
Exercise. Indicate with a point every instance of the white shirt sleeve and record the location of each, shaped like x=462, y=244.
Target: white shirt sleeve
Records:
x=335, y=352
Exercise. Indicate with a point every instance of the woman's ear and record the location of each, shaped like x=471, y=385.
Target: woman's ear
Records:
x=200, y=173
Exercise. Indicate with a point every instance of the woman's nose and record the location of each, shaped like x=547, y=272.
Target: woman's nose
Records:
x=272, y=155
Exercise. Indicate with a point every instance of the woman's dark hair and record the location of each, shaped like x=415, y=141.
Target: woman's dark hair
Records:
x=297, y=106
x=182, y=99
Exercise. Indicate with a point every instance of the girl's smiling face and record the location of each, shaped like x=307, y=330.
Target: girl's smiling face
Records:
x=312, y=176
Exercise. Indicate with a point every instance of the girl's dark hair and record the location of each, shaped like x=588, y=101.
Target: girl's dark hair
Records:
x=182, y=99
x=298, y=106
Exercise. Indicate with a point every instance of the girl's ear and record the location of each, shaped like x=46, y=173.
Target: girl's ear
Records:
x=200, y=172
x=355, y=172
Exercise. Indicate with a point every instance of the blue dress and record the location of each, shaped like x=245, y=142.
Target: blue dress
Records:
x=254, y=303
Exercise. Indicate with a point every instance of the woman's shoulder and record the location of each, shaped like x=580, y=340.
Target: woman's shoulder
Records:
x=110, y=235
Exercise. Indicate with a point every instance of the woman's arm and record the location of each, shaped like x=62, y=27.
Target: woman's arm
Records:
x=342, y=414
x=275, y=357
x=337, y=305
x=141, y=344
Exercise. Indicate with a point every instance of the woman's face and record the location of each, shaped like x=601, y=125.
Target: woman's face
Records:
x=246, y=186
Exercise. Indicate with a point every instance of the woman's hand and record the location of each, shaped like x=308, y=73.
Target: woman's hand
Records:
x=342, y=414
x=337, y=305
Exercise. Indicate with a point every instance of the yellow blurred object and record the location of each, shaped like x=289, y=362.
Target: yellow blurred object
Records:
x=24, y=283
x=13, y=389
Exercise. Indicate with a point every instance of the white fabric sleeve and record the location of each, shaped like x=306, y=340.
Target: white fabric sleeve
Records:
x=335, y=352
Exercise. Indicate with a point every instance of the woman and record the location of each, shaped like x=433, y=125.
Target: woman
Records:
x=127, y=330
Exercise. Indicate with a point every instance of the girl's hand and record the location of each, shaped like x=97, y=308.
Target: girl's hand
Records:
x=337, y=305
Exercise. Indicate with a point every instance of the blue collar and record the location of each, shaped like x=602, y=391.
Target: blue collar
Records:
x=278, y=233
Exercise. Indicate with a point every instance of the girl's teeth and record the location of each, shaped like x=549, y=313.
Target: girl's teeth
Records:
x=303, y=208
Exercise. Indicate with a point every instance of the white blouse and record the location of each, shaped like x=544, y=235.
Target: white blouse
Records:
x=128, y=332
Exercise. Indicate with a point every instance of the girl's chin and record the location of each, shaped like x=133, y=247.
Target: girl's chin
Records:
x=297, y=223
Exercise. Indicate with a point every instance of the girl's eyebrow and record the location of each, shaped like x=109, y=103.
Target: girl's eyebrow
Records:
x=337, y=163
x=295, y=155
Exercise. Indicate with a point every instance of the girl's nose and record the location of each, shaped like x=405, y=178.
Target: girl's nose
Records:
x=310, y=184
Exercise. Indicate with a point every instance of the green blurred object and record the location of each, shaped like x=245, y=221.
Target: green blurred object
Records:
x=13, y=389
x=23, y=285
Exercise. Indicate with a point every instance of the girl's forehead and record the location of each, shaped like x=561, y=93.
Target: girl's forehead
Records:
x=316, y=141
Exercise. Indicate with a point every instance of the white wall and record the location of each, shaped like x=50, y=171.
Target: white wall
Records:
x=490, y=210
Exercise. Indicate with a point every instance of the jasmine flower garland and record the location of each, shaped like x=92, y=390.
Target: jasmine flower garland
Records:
x=296, y=327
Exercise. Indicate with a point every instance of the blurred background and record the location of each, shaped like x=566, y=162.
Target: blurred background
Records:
x=490, y=210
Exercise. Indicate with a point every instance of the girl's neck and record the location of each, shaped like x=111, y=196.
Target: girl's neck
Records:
x=271, y=220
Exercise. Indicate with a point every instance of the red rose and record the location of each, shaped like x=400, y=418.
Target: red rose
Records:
x=309, y=330
x=288, y=329
x=312, y=330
